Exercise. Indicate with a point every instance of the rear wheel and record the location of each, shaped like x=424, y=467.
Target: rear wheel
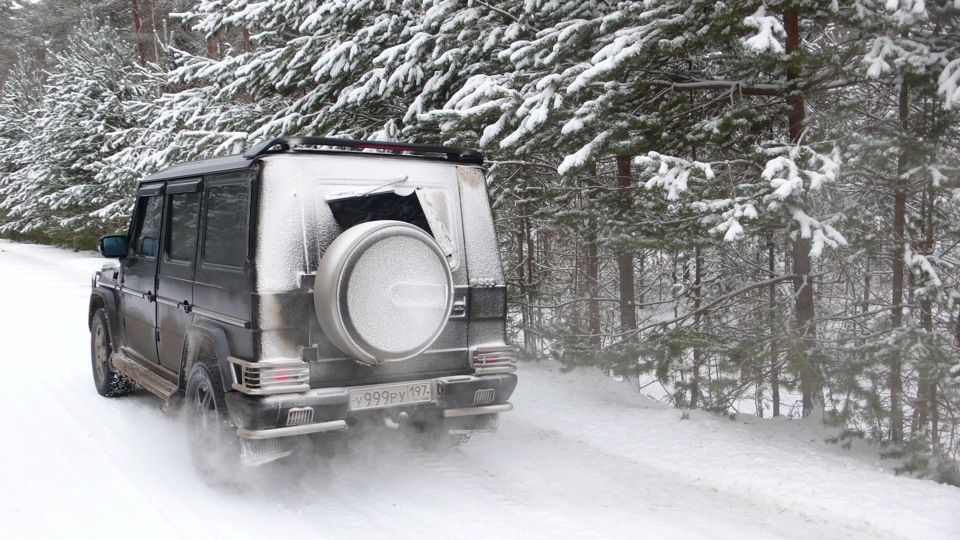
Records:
x=109, y=383
x=214, y=448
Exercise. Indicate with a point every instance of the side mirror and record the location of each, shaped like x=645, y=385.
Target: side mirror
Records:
x=113, y=247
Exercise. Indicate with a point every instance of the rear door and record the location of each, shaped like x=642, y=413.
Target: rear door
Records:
x=176, y=271
x=222, y=289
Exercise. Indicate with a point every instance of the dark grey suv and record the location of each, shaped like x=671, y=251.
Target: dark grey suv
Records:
x=309, y=285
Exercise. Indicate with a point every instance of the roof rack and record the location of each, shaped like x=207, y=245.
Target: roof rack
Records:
x=284, y=144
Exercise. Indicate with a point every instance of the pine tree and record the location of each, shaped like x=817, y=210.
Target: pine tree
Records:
x=19, y=107
x=901, y=146
x=65, y=189
x=627, y=92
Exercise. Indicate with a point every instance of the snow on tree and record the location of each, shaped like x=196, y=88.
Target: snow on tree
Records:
x=631, y=91
x=66, y=190
x=902, y=171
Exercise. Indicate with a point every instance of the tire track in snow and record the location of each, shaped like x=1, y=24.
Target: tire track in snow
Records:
x=604, y=489
x=128, y=459
x=122, y=462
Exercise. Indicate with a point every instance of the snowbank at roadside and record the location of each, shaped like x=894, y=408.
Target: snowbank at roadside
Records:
x=785, y=464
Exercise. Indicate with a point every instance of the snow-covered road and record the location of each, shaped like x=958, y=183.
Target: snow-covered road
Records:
x=581, y=456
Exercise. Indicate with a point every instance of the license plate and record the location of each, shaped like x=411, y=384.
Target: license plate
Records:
x=378, y=397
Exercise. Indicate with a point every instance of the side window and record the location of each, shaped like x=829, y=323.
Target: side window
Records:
x=225, y=226
x=184, y=213
x=147, y=240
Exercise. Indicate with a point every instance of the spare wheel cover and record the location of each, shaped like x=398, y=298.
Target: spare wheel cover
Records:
x=383, y=291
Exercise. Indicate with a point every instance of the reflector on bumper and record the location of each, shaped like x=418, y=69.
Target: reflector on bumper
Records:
x=495, y=359
x=272, y=376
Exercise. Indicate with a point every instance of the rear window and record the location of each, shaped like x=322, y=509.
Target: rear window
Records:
x=184, y=211
x=350, y=211
x=225, y=228
x=417, y=207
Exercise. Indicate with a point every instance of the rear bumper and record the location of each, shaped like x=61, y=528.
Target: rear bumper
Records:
x=460, y=397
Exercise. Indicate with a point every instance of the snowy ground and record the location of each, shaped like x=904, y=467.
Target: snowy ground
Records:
x=581, y=456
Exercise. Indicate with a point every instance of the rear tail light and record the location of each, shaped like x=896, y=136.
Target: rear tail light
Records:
x=497, y=359
x=272, y=376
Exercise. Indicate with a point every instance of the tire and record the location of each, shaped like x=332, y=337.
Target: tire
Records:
x=383, y=292
x=109, y=383
x=214, y=447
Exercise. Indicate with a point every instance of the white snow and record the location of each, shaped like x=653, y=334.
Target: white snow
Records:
x=949, y=82
x=581, y=456
x=769, y=28
x=672, y=173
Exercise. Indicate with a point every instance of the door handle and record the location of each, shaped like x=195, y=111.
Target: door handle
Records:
x=459, y=308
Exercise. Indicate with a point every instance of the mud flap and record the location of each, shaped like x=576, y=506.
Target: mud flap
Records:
x=256, y=452
x=481, y=424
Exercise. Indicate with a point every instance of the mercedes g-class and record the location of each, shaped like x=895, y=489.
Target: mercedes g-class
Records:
x=307, y=286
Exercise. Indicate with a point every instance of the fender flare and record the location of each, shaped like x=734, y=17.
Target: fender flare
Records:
x=213, y=334
x=103, y=298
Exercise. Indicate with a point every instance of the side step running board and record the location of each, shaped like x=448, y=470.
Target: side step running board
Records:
x=145, y=378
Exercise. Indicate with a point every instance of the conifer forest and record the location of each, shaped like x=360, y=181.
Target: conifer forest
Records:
x=750, y=207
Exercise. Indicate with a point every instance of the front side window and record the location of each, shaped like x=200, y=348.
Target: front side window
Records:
x=225, y=229
x=184, y=214
x=147, y=240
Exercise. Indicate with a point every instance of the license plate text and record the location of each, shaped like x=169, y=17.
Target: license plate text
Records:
x=390, y=396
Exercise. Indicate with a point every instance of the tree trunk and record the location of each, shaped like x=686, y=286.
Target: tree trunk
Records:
x=642, y=263
x=593, y=286
x=213, y=47
x=697, y=303
x=246, y=47
x=522, y=257
x=531, y=279
x=927, y=391
x=155, y=31
x=771, y=321
x=137, y=28
x=899, y=250
x=593, y=274
x=810, y=383
x=956, y=332
x=628, y=309
x=867, y=286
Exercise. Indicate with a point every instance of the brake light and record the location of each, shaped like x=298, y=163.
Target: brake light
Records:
x=273, y=376
x=495, y=359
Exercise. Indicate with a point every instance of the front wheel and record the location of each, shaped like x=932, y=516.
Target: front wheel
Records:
x=109, y=383
x=214, y=447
